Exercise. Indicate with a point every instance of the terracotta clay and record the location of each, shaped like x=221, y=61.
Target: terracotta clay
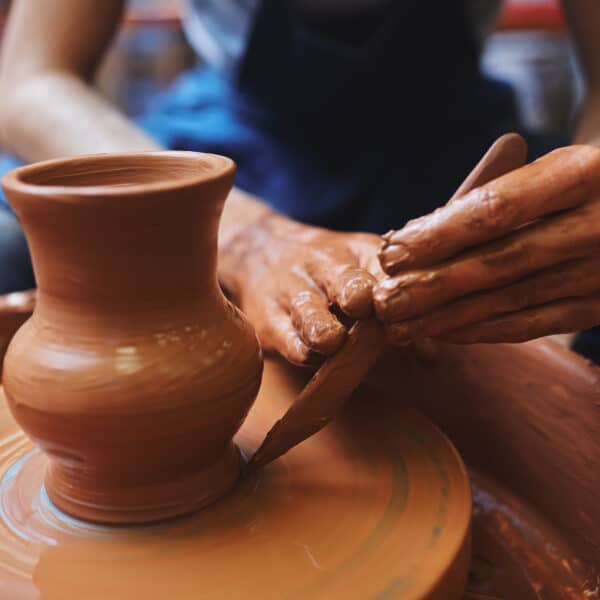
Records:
x=526, y=415
x=371, y=507
x=335, y=381
x=324, y=395
x=134, y=372
x=518, y=554
x=499, y=404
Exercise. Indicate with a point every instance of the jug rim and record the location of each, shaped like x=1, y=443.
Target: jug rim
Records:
x=23, y=179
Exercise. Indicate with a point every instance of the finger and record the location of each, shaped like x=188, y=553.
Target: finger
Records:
x=277, y=333
x=347, y=285
x=551, y=241
x=562, y=179
x=576, y=278
x=365, y=247
x=507, y=153
x=562, y=316
x=309, y=311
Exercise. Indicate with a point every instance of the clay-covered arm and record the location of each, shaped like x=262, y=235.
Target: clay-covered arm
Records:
x=285, y=276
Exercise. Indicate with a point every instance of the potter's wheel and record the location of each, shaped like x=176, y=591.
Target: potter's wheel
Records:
x=369, y=508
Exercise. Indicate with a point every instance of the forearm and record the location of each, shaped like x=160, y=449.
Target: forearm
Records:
x=49, y=108
x=57, y=114
x=53, y=114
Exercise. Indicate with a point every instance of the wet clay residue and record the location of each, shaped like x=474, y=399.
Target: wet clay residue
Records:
x=134, y=372
x=377, y=505
x=516, y=554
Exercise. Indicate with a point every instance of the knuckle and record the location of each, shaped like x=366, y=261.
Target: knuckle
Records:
x=304, y=300
x=492, y=213
x=343, y=272
x=513, y=256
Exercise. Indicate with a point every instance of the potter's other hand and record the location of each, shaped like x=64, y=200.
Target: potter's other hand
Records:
x=290, y=280
x=513, y=260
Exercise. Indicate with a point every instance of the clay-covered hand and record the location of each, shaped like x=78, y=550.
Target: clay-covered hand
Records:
x=290, y=280
x=513, y=260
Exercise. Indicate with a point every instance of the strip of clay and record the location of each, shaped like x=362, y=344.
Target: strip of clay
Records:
x=325, y=393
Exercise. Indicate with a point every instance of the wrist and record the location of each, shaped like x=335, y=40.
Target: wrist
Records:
x=246, y=224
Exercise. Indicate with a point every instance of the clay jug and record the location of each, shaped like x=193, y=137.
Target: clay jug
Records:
x=134, y=372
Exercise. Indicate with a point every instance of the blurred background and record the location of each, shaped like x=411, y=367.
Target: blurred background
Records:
x=528, y=47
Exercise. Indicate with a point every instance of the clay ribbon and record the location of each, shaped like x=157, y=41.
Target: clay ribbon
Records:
x=330, y=387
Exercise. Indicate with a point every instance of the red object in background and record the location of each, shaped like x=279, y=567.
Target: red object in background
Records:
x=544, y=15
x=167, y=14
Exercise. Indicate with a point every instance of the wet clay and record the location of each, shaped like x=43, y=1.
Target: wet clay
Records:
x=371, y=507
x=517, y=554
x=526, y=415
x=335, y=381
x=324, y=395
x=134, y=372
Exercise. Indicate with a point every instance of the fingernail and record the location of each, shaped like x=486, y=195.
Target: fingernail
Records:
x=395, y=253
x=356, y=297
x=323, y=335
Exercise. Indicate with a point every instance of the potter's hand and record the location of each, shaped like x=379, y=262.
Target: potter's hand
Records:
x=286, y=277
x=513, y=260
